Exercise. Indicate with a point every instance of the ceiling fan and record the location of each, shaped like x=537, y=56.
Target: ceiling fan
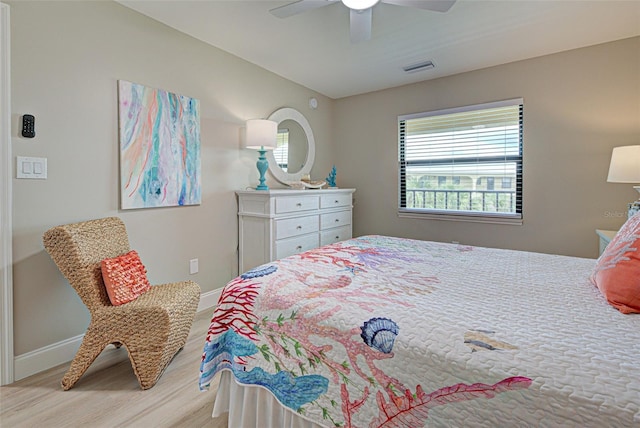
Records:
x=360, y=11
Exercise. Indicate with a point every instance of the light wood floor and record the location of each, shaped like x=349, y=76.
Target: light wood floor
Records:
x=108, y=395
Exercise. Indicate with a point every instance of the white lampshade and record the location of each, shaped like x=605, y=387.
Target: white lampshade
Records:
x=261, y=134
x=625, y=165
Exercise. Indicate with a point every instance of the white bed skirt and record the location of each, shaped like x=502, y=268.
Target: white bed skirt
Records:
x=253, y=407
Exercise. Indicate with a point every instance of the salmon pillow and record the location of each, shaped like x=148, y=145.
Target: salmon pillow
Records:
x=125, y=277
x=617, y=271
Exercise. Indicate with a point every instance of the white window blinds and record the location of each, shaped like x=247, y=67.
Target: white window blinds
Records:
x=463, y=161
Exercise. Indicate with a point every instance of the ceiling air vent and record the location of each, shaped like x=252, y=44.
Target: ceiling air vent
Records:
x=425, y=65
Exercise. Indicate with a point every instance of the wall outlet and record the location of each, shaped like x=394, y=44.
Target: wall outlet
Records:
x=193, y=266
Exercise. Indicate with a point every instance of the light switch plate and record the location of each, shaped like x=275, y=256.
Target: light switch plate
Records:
x=29, y=167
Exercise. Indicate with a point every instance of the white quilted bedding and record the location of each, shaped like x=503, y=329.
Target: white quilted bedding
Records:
x=380, y=331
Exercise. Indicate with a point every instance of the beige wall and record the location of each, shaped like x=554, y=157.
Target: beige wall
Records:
x=578, y=105
x=66, y=60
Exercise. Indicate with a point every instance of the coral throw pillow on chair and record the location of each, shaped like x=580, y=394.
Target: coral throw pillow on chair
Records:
x=125, y=277
x=617, y=272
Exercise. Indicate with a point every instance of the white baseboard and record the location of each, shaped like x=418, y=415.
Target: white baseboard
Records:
x=209, y=299
x=63, y=352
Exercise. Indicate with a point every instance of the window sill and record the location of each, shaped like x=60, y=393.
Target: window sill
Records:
x=466, y=217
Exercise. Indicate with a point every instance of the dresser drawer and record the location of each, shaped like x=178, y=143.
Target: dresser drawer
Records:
x=282, y=222
x=335, y=219
x=299, y=244
x=331, y=201
x=286, y=228
x=335, y=235
x=300, y=203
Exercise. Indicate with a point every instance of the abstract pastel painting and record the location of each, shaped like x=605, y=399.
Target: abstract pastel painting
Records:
x=159, y=148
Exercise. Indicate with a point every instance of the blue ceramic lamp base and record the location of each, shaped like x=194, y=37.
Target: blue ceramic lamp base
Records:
x=263, y=165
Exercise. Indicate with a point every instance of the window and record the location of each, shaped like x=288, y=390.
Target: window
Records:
x=476, y=146
x=491, y=183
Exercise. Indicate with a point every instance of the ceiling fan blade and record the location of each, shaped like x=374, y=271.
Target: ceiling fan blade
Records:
x=298, y=7
x=360, y=25
x=434, y=5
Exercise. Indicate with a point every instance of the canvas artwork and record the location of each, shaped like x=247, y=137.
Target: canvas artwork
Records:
x=159, y=148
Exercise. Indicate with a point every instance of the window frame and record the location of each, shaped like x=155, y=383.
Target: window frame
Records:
x=513, y=218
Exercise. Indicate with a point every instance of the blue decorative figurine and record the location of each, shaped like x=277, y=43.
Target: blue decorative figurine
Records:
x=331, y=179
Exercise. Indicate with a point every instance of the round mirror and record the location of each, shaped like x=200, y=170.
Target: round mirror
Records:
x=296, y=148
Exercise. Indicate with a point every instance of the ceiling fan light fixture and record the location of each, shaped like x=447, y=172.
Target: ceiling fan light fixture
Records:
x=360, y=4
x=425, y=65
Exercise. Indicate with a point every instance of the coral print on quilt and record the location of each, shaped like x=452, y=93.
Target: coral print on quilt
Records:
x=343, y=336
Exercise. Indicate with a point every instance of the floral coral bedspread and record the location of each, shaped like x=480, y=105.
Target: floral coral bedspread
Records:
x=389, y=332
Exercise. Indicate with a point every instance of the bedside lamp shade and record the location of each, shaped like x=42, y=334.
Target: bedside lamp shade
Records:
x=261, y=135
x=625, y=165
x=625, y=168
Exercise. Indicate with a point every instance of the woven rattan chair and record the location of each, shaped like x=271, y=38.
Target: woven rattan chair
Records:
x=153, y=328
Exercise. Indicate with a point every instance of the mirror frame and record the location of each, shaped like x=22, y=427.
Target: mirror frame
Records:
x=280, y=115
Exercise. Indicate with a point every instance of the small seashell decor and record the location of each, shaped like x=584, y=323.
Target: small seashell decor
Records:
x=380, y=334
x=296, y=185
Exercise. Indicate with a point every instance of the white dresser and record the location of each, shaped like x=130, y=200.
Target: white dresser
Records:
x=278, y=223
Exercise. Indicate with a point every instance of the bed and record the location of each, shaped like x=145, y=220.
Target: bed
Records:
x=379, y=331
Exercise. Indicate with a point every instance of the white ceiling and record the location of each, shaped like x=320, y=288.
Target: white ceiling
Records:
x=313, y=48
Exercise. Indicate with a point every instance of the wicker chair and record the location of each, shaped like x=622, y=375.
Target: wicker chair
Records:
x=153, y=328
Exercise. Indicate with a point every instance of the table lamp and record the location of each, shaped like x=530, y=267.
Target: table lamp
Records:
x=625, y=168
x=261, y=135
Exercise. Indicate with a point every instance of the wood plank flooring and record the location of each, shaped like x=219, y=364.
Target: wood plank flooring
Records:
x=108, y=394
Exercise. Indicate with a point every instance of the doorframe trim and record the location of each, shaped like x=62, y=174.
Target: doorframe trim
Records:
x=6, y=205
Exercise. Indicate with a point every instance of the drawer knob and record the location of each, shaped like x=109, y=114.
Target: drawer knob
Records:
x=299, y=204
x=337, y=201
x=299, y=247
x=337, y=220
x=299, y=227
x=337, y=236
